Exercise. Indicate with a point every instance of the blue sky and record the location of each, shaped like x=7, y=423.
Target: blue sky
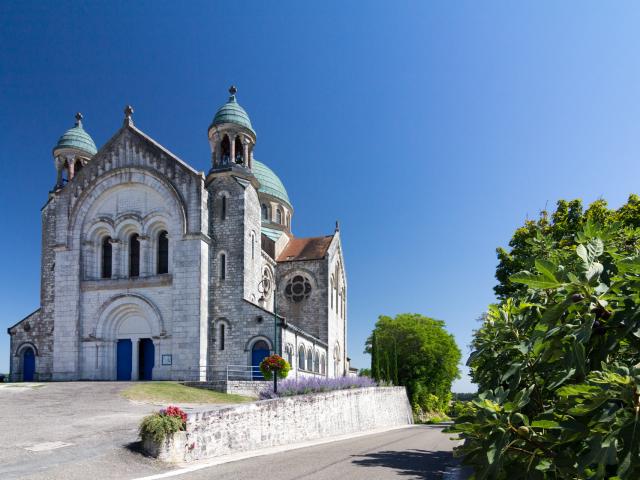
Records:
x=431, y=130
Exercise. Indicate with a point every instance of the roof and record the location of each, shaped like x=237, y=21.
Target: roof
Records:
x=232, y=112
x=269, y=181
x=78, y=138
x=272, y=233
x=297, y=249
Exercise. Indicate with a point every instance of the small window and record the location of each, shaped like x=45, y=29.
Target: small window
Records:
x=222, y=336
x=253, y=245
x=265, y=212
x=106, y=257
x=279, y=217
x=223, y=266
x=223, y=207
x=310, y=360
x=316, y=363
x=301, y=364
x=323, y=365
x=134, y=256
x=163, y=252
x=289, y=354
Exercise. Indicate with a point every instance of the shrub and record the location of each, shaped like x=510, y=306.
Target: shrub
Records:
x=558, y=366
x=274, y=364
x=162, y=423
x=306, y=385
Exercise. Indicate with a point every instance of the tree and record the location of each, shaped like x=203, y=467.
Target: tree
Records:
x=557, y=361
x=538, y=238
x=418, y=353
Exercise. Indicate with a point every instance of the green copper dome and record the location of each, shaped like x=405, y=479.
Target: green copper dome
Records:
x=269, y=181
x=77, y=138
x=232, y=112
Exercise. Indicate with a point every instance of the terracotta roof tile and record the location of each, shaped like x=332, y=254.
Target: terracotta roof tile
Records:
x=313, y=248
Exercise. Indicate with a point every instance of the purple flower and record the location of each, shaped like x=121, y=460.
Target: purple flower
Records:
x=301, y=386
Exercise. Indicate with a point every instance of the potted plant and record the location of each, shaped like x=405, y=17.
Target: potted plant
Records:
x=163, y=433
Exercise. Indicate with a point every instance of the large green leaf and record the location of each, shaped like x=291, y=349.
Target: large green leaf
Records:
x=534, y=281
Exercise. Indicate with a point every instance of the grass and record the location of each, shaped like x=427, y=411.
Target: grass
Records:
x=173, y=392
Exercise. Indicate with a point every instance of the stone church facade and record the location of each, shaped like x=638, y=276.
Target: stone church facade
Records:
x=153, y=270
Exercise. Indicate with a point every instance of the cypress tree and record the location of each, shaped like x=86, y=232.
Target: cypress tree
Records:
x=375, y=363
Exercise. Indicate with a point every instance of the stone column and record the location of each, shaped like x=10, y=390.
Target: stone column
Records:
x=71, y=167
x=146, y=260
x=245, y=154
x=232, y=149
x=134, y=357
x=59, y=168
x=116, y=260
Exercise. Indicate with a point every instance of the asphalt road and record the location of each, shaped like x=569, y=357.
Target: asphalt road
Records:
x=418, y=452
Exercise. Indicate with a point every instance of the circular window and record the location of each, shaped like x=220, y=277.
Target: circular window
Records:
x=266, y=282
x=298, y=288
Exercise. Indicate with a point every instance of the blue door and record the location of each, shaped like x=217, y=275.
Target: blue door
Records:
x=124, y=360
x=146, y=359
x=28, y=365
x=259, y=352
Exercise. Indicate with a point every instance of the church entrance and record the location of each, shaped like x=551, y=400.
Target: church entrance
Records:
x=146, y=356
x=259, y=352
x=124, y=359
x=28, y=365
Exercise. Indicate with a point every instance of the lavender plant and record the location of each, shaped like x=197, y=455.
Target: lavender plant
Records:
x=302, y=386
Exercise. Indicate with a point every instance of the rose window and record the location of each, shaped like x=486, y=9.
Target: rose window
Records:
x=298, y=288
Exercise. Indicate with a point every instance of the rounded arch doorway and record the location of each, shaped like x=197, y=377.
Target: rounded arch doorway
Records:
x=259, y=352
x=28, y=365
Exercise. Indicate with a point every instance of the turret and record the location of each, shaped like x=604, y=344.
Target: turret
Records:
x=231, y=136
x=72, y=152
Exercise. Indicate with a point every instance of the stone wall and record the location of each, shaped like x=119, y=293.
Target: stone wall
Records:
x=285, y=421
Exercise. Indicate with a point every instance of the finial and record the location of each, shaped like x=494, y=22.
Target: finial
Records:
x=233, y=90
x=79, y=119
x=128, y=111
x=337, y=226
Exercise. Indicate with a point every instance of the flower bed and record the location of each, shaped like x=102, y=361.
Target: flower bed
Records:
x=302, y=386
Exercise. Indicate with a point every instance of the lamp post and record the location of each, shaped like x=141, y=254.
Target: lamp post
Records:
x=264, y=287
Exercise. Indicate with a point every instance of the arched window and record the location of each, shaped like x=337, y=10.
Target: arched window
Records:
x=316, y=362
x=163, y=252
x=223, y=207
x=223, y=266
x=323, y=365
x=310, y=360
x=265, y=212
x=134, y=256
x=288, y=353
x=225, y=151
x=279, y=216
x=106, y=258
x=239, y=152
x=77, y=166
x=222, y=336
x=301, y=364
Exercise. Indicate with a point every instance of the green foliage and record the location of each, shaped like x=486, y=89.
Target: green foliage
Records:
x=417, y=352
x=158, y=426
x=365, y=372
x=539, y=239
x=558, y=361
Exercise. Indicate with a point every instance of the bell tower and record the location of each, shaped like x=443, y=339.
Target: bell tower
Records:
x=231, y=136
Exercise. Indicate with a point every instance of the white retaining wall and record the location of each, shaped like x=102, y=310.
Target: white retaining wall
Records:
x=289, y=420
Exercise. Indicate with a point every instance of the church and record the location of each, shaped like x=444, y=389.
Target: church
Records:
x=152, y=270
